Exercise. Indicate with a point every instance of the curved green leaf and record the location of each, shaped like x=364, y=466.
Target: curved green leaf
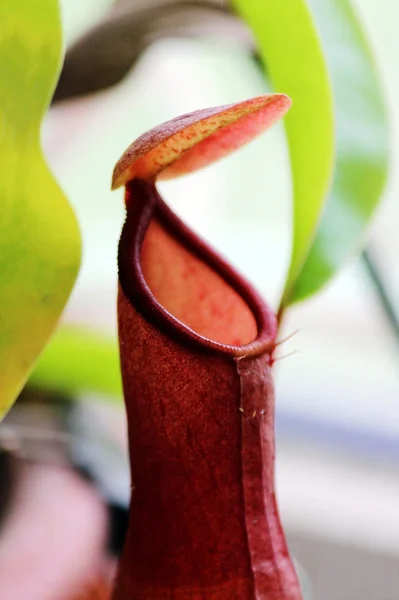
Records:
x=291, y=50
x=78, y=360
x=39, y=237
x=362, y=146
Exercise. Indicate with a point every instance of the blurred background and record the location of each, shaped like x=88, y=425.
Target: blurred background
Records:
x=338, y=377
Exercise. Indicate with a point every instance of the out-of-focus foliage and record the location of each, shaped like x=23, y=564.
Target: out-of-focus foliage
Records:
x=292, y=53
x=107, y=51
x=39, y=236
x=361, y=161
x=77, y=361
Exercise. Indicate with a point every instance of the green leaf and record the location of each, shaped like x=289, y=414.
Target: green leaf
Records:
x=39, y=237
x=77, y=361
x=362, y=146
x=293, y=56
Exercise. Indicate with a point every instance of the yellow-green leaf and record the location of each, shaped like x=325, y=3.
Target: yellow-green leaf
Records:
x=78, y=361
x=291, y=51
x=39, y=237
x=362, y=146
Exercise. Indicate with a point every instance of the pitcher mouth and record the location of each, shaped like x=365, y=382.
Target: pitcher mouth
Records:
x=140, y=296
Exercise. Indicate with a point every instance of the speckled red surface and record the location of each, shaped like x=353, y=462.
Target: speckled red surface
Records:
x=192, y=141
x=203, y=516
